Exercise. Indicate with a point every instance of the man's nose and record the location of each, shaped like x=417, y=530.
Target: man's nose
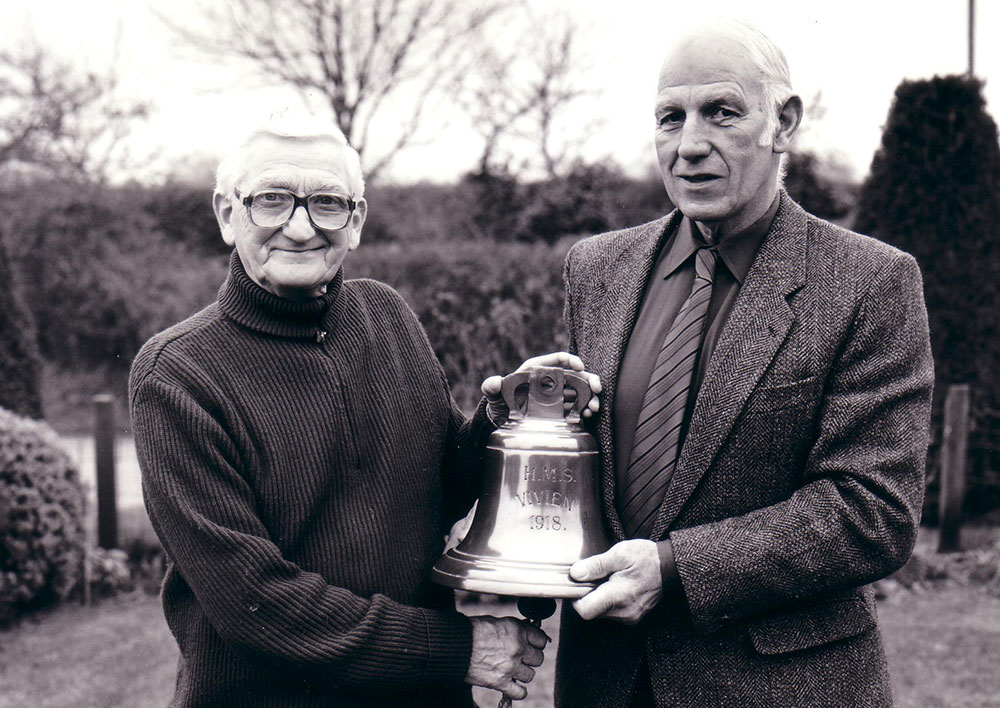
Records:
x=299, y=228
x=694, y=142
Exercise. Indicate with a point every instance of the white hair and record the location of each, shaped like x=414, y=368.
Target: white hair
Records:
x=767, y=58
x=294, y=126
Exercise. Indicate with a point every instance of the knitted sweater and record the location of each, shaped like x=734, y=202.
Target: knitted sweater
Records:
x=301, y=463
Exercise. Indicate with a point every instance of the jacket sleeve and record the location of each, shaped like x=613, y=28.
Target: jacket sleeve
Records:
x=568, y=304
x=854, y=517
x=259, y=603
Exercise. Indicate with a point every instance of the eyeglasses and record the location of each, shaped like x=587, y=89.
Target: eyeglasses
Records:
x=271, y=208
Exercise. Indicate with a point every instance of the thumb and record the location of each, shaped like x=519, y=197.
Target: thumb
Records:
x=592, y=568
x=491, y=388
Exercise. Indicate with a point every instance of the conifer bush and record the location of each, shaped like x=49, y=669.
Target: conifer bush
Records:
x=41, y=517
x=934, y=191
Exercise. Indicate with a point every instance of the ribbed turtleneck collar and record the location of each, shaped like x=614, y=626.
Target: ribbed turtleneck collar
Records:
x=241, y=299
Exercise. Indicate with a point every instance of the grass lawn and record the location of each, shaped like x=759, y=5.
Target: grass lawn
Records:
x=116, y=654
x=943, y=648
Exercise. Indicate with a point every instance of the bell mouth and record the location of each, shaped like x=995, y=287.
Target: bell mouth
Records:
x=500, y=576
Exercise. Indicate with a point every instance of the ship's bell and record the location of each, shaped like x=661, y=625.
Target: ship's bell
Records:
x=539, y=511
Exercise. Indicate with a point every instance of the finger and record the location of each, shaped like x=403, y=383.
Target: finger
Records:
x=491, y=387
x=533, y=657
x=537, y=638
x=523, y=673
x=594, y=604
x=563, y=359
x=542, y=360
x=513, y=690
x=572, y=361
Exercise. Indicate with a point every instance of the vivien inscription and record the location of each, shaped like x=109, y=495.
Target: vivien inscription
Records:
x=545, y=497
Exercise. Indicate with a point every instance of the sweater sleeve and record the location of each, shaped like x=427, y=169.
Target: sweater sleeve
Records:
x=203, y=510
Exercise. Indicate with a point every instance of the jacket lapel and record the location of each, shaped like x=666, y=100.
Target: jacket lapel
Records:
x=623, y=285
x=757, y=325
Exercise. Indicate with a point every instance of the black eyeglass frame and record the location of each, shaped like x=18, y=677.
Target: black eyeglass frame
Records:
x=298, y=201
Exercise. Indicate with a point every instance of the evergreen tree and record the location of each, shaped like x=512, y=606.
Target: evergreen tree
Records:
x=934, y=191
x=19, y=360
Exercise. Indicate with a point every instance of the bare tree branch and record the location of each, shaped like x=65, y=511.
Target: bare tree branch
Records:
x=358, y=56
x=56, y=118
x=522, y=88
x=554, y=90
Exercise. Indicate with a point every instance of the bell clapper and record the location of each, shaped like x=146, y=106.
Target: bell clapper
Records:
x=536, y=608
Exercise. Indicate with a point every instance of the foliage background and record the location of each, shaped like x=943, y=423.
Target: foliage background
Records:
x=101, y=268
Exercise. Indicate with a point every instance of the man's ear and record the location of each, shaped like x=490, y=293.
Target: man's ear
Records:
x=222, y=205
x=356, y=222
x=789, y=119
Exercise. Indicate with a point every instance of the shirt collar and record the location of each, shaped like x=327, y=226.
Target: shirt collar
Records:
x=737, y=251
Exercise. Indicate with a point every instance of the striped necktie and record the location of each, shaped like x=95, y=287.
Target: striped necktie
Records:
x=657, y=436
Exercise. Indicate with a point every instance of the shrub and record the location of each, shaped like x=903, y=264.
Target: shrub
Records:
x=109, y=573
x=485, y=306
x=182, y=211
x=41, y=516
x=822, y=187
x=145, y=556
x=99, y=276
x=590, y=199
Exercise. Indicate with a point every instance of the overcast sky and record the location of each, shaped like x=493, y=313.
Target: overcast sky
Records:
x=855, y=52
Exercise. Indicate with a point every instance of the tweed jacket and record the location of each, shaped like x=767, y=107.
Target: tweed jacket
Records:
x=800, y=481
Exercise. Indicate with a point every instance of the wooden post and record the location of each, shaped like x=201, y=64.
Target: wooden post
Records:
x=954, y=448
x=104, y=452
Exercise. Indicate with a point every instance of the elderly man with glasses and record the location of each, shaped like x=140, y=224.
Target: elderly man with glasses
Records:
x=302, y=459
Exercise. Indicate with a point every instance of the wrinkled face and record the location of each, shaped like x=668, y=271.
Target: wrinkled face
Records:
x=710, y=125
x=296, y=260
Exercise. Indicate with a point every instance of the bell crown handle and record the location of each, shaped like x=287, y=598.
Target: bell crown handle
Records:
x=545, y=393
x=580, y=384
x=507, y=386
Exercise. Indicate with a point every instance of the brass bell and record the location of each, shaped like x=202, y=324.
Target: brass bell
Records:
x=539, y=511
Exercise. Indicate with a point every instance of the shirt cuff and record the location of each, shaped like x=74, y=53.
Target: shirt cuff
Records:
x=672, y=588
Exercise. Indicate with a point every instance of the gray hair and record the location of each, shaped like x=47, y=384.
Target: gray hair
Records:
x=295, y=126
x=766, y=56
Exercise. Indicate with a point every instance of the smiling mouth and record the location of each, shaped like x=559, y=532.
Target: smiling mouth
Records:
x=297, y=250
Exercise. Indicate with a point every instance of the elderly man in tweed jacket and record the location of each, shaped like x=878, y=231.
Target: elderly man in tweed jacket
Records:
x=799, y=479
